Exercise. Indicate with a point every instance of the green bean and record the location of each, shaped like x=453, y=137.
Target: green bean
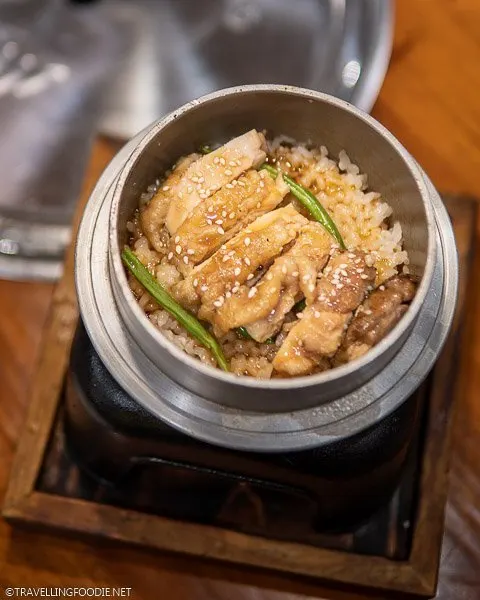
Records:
x=243, y=333
x=300, y=306
x=191, y=323
x=311, y=203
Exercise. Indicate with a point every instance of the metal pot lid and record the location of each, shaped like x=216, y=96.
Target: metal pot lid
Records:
x=247, y=430
x=183, y=49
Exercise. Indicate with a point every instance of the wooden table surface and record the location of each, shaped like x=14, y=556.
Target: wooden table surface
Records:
x=431, y=102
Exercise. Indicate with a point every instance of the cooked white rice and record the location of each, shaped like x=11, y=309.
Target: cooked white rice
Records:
x=360, y=214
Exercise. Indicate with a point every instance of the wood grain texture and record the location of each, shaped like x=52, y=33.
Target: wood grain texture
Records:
x=430, y=101
x=418, y=574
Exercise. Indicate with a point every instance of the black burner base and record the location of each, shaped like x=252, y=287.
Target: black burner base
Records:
x=333, y=487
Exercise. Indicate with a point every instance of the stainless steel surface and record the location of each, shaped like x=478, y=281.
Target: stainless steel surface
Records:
x=182, y=49
x=305, y=116
x=53, y=63
x=246, y=413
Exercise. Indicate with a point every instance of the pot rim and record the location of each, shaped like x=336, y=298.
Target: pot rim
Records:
x=244, y=384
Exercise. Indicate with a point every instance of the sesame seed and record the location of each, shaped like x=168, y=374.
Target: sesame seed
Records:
x=247, y=241
x=252, y=292
x=170, y=255
x=177, y=239
x=190, y=251
x=311, y=287
x=223, y=247
x=235, y=289
x=317, y=314
x=216, y=160
x=195, y=282
x=218, y=303
x=209, y=221
x=228, y=294
x=284, y=270
x=204, y=288
x=334, y=293
x=357, y=260
x=238, y=163
x=166, y=188
x=299, y=315
x=241, y=183
x=351, y=255
x=194, y=179
x=201, y=179
x=360, y=270
x=339, y=286
x=225, y=258
x=231, y=253
x=185, y=260
x=222, y=161
x=221, y=231
x=269, y=277
x=189, y=189
x=382, y=288
x=237, y=271
x=228, y=172
x=251, y=276
x=342, y=266
x=219, y=221
x=368, y=312
x=224, y=213
x=180, y=195
x=231, y=163
x=247, y=261
x=364, y=276
x=306, y=277
x=178, y=249
x=229, y=186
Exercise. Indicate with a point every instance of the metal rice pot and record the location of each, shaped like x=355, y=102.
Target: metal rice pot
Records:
x=284, y=415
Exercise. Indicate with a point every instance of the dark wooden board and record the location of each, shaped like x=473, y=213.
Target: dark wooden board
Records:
x=25, y=504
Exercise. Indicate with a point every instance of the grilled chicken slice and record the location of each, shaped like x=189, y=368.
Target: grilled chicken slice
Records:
x=213, y=223
x=378, y=315
x=236, y=262
x=291, y=276
x=319, y=333
x=153, y=216
x=211, y=172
